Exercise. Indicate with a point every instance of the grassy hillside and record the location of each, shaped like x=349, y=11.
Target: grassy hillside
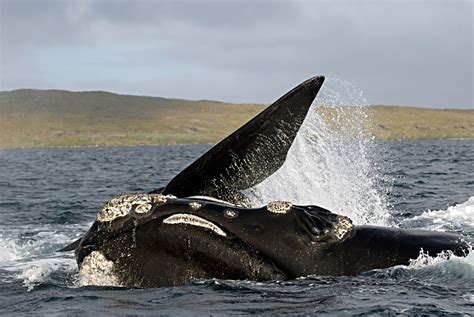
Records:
x=59, y=118
x=43, y=118
x=392, y=122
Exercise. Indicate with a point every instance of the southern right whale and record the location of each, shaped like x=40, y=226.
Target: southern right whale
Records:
x=201, y=226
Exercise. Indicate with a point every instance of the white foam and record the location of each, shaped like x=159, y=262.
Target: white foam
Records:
x=444, y=264
x=469, y=297
x=27, y=242
x=34, y=274
x=29, y=253
x=9, y=250
x=330, y=164
x=39, y=270
x=458, y=217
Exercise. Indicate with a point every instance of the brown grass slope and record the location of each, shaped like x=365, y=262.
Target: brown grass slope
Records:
x=45, y=118
x=394, y=122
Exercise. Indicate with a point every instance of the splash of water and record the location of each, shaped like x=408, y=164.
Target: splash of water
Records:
x=444, y=264
x=331, y=162
x=458, y=218
x=30, y=254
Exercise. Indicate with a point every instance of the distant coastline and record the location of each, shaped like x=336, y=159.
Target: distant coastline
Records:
x=55, y=118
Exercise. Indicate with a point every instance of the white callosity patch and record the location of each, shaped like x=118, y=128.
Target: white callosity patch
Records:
x=96, y=269
x=195, y=206
x=143, y=208
x=342, y=227
x=113, y=209
x=279, y=207
x=229, y=213
x=193, y=220
x=122, y=205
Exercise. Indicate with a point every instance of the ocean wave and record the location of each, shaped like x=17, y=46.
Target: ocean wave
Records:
x=458, y=218
x=27, y=241
x=444, y=265
x=30, y=253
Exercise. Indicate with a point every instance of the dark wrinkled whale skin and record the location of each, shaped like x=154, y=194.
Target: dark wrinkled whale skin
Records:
x=258, y=244
x=373, y=247
x=201, y=226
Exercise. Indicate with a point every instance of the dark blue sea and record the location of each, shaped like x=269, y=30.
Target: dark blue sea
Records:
x=50, y=197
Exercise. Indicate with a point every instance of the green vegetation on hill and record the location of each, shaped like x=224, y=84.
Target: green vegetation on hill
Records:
x=45, y=118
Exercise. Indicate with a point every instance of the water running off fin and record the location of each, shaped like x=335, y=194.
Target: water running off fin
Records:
x=250, y=154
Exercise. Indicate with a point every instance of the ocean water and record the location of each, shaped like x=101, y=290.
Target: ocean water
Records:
x=49, y=197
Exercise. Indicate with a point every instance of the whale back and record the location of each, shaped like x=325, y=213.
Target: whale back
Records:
x=250, y=154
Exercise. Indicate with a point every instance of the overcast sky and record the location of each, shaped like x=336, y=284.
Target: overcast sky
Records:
x=416, y=53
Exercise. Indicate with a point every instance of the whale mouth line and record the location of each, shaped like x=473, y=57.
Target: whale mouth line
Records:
x=211, y=199
x=193, y=220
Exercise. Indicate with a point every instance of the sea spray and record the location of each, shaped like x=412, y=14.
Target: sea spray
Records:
x=332, y=162
x=444, y=265
x=458, y=218
x=28, y=252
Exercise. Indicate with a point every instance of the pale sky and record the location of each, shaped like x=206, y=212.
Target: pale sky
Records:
x=417, y=53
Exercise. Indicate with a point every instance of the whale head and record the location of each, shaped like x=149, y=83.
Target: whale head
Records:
x=153, y=239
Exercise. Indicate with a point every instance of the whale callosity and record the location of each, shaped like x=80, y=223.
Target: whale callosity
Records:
x=123, y=205
x=279, y=207
x=193, y=220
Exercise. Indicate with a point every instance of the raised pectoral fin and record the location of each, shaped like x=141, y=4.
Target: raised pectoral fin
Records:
x=250, y=154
